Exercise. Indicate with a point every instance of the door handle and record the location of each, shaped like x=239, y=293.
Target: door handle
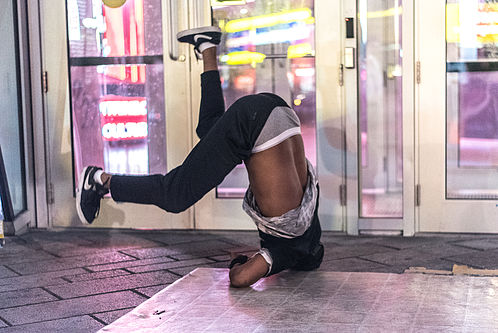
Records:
x=173, y=49
x=199, y=13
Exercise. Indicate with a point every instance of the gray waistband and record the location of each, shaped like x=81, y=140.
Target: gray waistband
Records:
x=280, y=125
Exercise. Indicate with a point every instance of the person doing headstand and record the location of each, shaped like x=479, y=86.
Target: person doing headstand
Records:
x=260, y=130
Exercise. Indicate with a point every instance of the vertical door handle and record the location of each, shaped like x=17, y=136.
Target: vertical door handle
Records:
x=199, y=13
x=173, y=49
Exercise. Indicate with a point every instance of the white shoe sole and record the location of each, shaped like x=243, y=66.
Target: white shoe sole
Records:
x=81, y=181
x=197, y=31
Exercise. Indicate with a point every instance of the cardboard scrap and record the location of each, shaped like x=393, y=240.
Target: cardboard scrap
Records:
x=457, y=270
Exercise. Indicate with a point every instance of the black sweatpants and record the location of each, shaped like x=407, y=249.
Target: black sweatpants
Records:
x=227, y=139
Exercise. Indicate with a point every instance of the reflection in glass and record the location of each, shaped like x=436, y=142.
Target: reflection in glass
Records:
x=118, y=110
x=11, y=139
x=380, y=109
x=268, y=47
x=472, y=99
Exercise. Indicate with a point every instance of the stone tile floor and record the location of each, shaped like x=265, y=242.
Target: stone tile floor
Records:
x=294, y=302
x=81, y=280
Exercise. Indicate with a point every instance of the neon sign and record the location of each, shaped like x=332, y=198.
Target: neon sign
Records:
x=123, y=118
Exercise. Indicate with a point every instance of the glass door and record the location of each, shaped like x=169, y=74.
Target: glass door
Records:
x=11, y=126
x=380, y=103
x=459, y=116
x=15, y=123
x=380, y=197
x=108, y=100
x=273, y=46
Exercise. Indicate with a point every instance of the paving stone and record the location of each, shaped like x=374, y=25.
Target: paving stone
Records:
x=173, y=264
x=112, y=284
x=408, y=242
x=443, y=250
x=132, y=263
x=63, y=236
x=248, y=238
x=192, y=247
x=353, y=265
x=199, y=254
x=80, y=324
x=23, y=257
x=71, y=308
x=95, y=276
x=67, y=263
x=339, y=252
x=178, y=237
x=110, y=316
x=479, y=244
x=182, y=271
x=37, y=280
x=118, y=239
x=25, y=296
x=339, y=239
x=438, y=264
x=57, y=246
x=406, y=257
x=482, y=259
x=77, y=250
x=5, y=272
x=151, y=291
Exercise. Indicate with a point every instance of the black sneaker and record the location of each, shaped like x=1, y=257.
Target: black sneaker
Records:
x=197, y=36
x=88, y=195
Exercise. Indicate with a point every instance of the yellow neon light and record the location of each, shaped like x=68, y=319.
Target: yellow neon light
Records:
x=486, y=24
x=299, y=50
x=243, y=58
x=452, y=23
x=251, y=23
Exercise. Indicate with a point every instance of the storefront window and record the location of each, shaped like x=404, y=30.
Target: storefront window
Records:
x=117, y=86
x=472, y=99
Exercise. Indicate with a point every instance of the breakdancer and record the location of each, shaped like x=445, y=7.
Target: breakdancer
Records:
x=260, y=130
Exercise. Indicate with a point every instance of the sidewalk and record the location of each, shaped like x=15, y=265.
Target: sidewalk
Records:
x=79, y=281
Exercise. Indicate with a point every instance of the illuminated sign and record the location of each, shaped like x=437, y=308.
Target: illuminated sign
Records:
x=124, y=131
x=269, y=20
x=483, y=24
x=287, y=34
x=243, y=58
x=299, y=50
x=123, y=118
